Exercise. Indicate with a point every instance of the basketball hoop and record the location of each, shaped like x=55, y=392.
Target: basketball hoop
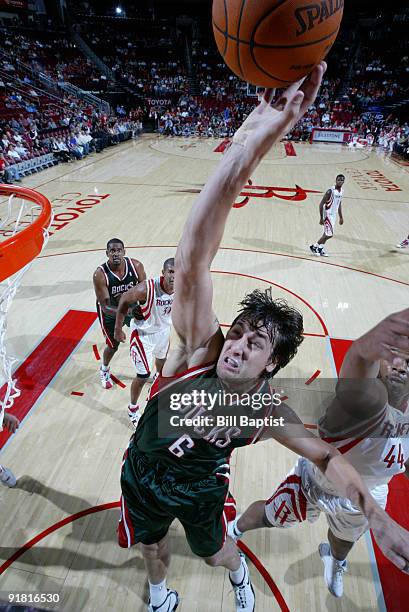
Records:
x=25, y=227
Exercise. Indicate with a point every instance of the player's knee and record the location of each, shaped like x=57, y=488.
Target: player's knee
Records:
x=153, y=552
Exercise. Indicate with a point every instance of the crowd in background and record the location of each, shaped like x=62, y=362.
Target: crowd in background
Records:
x=181, y=86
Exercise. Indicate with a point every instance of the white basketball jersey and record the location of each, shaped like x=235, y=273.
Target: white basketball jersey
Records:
x=378, y=450
x=335, y=201
x=157, y=308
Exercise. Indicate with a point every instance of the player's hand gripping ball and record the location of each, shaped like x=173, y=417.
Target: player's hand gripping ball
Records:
x=272, y=43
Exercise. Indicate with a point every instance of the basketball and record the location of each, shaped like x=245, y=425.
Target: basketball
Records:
x=272, y=43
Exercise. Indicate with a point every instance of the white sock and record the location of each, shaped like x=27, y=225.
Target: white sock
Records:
x=158, y=593
x=104, y=368
x=236, y=530
x=238, y=575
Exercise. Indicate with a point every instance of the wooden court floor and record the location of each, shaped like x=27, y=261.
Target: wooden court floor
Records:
x=67, y=453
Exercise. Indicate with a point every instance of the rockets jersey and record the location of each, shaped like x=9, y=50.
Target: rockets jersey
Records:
x=156, y=310
x=377, y=449
x=196, y=450
x=117, y=286
x=335, y=201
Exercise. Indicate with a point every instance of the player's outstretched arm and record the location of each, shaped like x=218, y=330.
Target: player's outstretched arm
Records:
x=392, y=539
x=387, y=340
x=192, y=309
x=132, y=296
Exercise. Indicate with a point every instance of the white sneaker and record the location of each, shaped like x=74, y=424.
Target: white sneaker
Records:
x=244, y=592
x=7, y=478
x=105, y=377
x=322, y=252
x=404, y=244
x=169, y=605
x=314, y=250
x=333, y=570
x=231, y=529
x=134, y=415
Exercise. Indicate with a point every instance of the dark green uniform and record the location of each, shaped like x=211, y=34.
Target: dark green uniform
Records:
x=116, y=287
x=183, y=472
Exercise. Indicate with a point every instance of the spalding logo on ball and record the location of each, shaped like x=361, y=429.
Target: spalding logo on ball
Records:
x=272, y=43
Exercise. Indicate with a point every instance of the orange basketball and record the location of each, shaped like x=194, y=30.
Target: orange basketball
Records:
x=272, y=43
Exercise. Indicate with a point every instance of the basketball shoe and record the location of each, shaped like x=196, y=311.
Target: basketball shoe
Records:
x=404, y=244
x=333, y=570
x=314, y=250
x=169, y=605
x=105, y=377
x=244, y=592
x=7, y=477
x=134, y=415
x=322, y=252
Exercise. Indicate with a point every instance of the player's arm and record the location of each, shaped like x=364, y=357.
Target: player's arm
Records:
x=359, y=391
x=140, y=270
x=192, y=314
x=341, y=216
x=133, y=295
x=102, y=294
x=391, y=537
x=323, y=203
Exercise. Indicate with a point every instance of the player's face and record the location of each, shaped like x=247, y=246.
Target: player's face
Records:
x=115, y=253
x=340, y=180
x=395, y=376
x=246, y=354
x=169, y=278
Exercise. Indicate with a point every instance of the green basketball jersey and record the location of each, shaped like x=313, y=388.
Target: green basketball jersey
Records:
x=192, y=425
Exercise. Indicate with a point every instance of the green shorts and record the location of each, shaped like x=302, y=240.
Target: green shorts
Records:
x=153, y=496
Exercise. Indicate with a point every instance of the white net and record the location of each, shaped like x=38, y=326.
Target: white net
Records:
x=16, y=214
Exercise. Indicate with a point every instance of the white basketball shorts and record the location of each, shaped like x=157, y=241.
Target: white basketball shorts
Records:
x=298, y=498
x=144, y=348
x=329, y=223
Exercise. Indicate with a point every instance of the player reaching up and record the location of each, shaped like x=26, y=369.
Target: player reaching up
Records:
x=184, y=473
x=372, y=433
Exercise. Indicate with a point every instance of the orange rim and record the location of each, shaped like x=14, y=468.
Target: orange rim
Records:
x=17, y=251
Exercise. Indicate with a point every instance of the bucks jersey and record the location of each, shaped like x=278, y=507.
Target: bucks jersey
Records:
x=202, y=443
x=117, y=286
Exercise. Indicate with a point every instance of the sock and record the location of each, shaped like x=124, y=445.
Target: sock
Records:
x=158, y=593
x=237, y=576
x=104, y=368
x=236, y=530
x=133, y=407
